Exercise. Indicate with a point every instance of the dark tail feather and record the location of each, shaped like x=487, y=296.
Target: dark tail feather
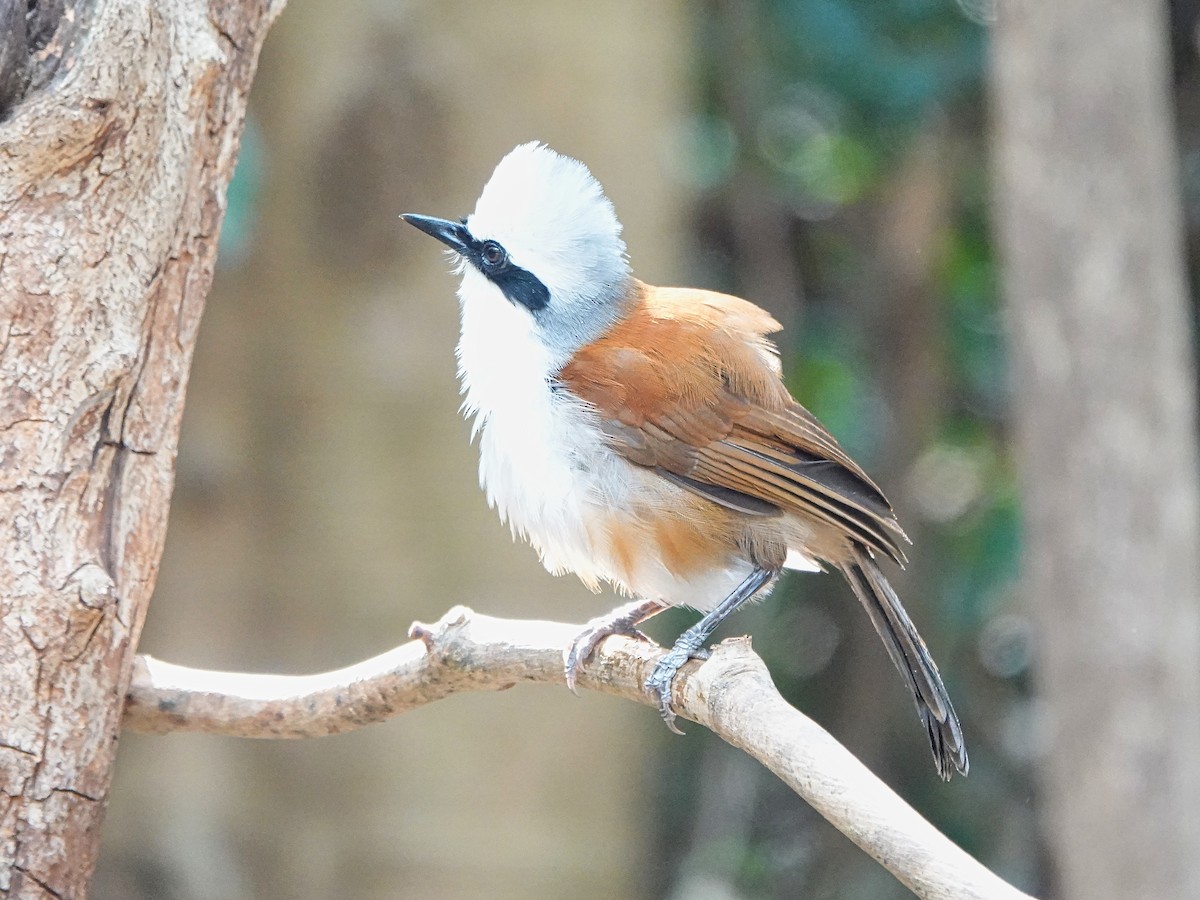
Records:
x=911, y=658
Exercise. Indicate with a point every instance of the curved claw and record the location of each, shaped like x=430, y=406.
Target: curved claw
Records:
x=658, y=685
x=577, y=653
x=623, y=620
x=668, y=714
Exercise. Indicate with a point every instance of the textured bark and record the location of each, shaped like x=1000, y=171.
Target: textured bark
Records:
x=1106, y=412
x=114, y=161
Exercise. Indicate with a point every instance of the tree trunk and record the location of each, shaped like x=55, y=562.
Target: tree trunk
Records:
x=113, y=166
x=1089, y=223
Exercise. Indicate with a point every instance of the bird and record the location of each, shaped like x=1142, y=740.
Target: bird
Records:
x=643, y=437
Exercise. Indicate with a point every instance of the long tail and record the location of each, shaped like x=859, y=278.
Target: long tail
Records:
x=911, y=658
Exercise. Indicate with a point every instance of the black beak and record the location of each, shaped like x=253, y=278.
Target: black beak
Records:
x=453, y=234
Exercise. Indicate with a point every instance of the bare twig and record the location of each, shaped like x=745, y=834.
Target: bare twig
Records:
x=731, y=693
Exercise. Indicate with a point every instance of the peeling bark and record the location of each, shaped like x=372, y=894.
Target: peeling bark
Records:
x=119, y=136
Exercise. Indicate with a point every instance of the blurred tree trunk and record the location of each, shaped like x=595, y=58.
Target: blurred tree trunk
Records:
x=1106, y=413
x=113, y=164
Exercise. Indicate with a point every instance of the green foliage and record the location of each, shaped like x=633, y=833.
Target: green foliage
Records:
x=832, y=384
x=968, y=281
x=241, y=200
x=839, y=89
x=887, y=62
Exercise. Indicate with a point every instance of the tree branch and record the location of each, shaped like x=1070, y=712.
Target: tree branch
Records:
x=731, y=693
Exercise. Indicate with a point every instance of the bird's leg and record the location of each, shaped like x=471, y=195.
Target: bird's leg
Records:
x=622, y=620
x=691, y=643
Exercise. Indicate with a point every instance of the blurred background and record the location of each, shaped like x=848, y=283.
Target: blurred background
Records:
x=827, y=159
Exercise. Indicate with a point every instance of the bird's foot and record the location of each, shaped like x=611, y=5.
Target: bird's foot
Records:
x=620, y=621
x=690, y=644
x=658, y=685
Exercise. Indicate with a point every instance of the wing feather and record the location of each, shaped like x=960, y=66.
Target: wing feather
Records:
x=788, y=494
x=688, y=385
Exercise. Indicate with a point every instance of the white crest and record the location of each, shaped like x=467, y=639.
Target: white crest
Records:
x=554, y=220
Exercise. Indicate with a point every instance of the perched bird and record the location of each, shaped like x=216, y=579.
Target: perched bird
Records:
x=642, y=435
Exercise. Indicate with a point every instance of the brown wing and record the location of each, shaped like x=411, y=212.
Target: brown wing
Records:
x=688, y=385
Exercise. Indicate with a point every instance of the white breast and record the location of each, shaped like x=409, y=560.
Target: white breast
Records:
x=547, y=469
x=543, y=462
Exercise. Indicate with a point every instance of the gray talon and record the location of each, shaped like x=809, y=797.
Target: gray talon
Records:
x=620, y=621
x=658, y=685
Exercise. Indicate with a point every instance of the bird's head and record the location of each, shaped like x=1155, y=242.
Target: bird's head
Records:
x=544, y=239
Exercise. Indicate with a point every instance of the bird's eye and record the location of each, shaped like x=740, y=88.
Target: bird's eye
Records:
x=492, y=255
